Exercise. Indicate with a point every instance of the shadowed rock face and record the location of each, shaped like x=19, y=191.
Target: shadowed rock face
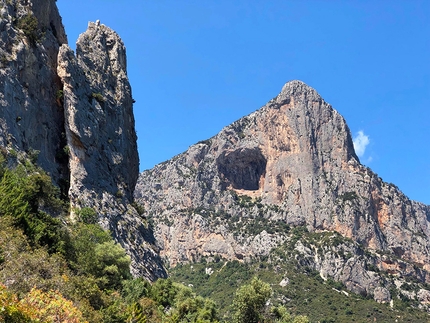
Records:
x=242, y=168
x=99, y=115
x=292, y=162
x=31, y=117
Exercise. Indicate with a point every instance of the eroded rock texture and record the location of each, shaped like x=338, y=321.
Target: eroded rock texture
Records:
x=31, y=117
x=101, y=140
x=291, y=162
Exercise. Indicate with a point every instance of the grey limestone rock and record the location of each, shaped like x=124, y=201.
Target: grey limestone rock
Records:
x=382, y=295
x=31, y=117
x=101, y=139
x=292, y=162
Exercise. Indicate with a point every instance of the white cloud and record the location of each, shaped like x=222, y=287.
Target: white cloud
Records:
x=360, y=143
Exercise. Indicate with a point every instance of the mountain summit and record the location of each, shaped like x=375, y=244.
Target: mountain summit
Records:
x=290, y=163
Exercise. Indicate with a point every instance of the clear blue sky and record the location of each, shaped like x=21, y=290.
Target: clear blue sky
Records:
x=196, y=66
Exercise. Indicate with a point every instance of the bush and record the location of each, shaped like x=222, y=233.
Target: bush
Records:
x=250, y=300
x=98, y=97
x=87, y=215
x=24, y=193
x=30, y=27
x=93, y=252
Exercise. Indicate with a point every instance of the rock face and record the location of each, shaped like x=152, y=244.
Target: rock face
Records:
x=290, y=163
x=74, y=116
x=31, y=117
x=101, y=141
x=99, y=116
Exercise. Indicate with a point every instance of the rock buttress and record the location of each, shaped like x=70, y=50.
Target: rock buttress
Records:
x=31, y=114
x=101, y=141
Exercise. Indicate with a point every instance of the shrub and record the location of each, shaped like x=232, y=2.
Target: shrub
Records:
x=250, y=300
x=29, y=26
x=87, y=215
x=98, y=97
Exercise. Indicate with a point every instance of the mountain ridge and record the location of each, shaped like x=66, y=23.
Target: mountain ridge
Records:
x=292, y=162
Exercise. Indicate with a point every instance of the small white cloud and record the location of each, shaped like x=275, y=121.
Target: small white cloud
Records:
x=360, y=143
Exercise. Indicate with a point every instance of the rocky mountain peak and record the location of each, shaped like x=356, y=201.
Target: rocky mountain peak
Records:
x=108, y=54
x=298, y=88
x=292, y=162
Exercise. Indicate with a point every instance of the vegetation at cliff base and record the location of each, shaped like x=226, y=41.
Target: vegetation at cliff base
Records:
x=303, y=292
x=56, y=270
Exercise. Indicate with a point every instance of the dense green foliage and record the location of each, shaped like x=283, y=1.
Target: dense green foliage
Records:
x=55, y=270
x=250, y=300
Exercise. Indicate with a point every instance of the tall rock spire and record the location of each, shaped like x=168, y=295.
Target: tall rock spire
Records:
x=99, y=116
x=101, y=140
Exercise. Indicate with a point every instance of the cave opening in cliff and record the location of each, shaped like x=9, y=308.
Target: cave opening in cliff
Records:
x=242, y=168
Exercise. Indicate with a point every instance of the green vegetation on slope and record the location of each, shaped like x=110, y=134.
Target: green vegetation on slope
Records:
x=305, y=293
x=55, y=270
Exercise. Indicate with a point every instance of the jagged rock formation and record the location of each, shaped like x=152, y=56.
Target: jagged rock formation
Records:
x=74, y=115
x=99, y=116
x=236, y=195
x=290, y=163
x=31, y=118
x=101, y=141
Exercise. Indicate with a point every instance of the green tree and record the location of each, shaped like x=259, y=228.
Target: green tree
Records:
x=250, y=300
x=135, y=289
x=25, y=195
x=93, y=252
x=164, y=292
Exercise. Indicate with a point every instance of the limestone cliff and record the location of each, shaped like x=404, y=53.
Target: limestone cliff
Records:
x=290, y=163
x=73, y=115
x=31, y=117
x=101, y=141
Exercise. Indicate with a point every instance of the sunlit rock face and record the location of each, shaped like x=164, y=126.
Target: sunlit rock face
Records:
x=101, y=139
x=290, y=162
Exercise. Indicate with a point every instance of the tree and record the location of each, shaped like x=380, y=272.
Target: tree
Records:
x=250, y=300
x=163, y=292
x=52, y=307
x=11, y=310
x=95, y=253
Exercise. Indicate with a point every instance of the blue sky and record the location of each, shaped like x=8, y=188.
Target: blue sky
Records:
x=197, y=66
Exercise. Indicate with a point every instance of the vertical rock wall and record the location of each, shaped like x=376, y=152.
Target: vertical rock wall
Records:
x=101, y=139
x=31, y=116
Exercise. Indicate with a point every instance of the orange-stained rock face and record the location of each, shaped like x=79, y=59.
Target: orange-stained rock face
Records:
x=291, y=162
